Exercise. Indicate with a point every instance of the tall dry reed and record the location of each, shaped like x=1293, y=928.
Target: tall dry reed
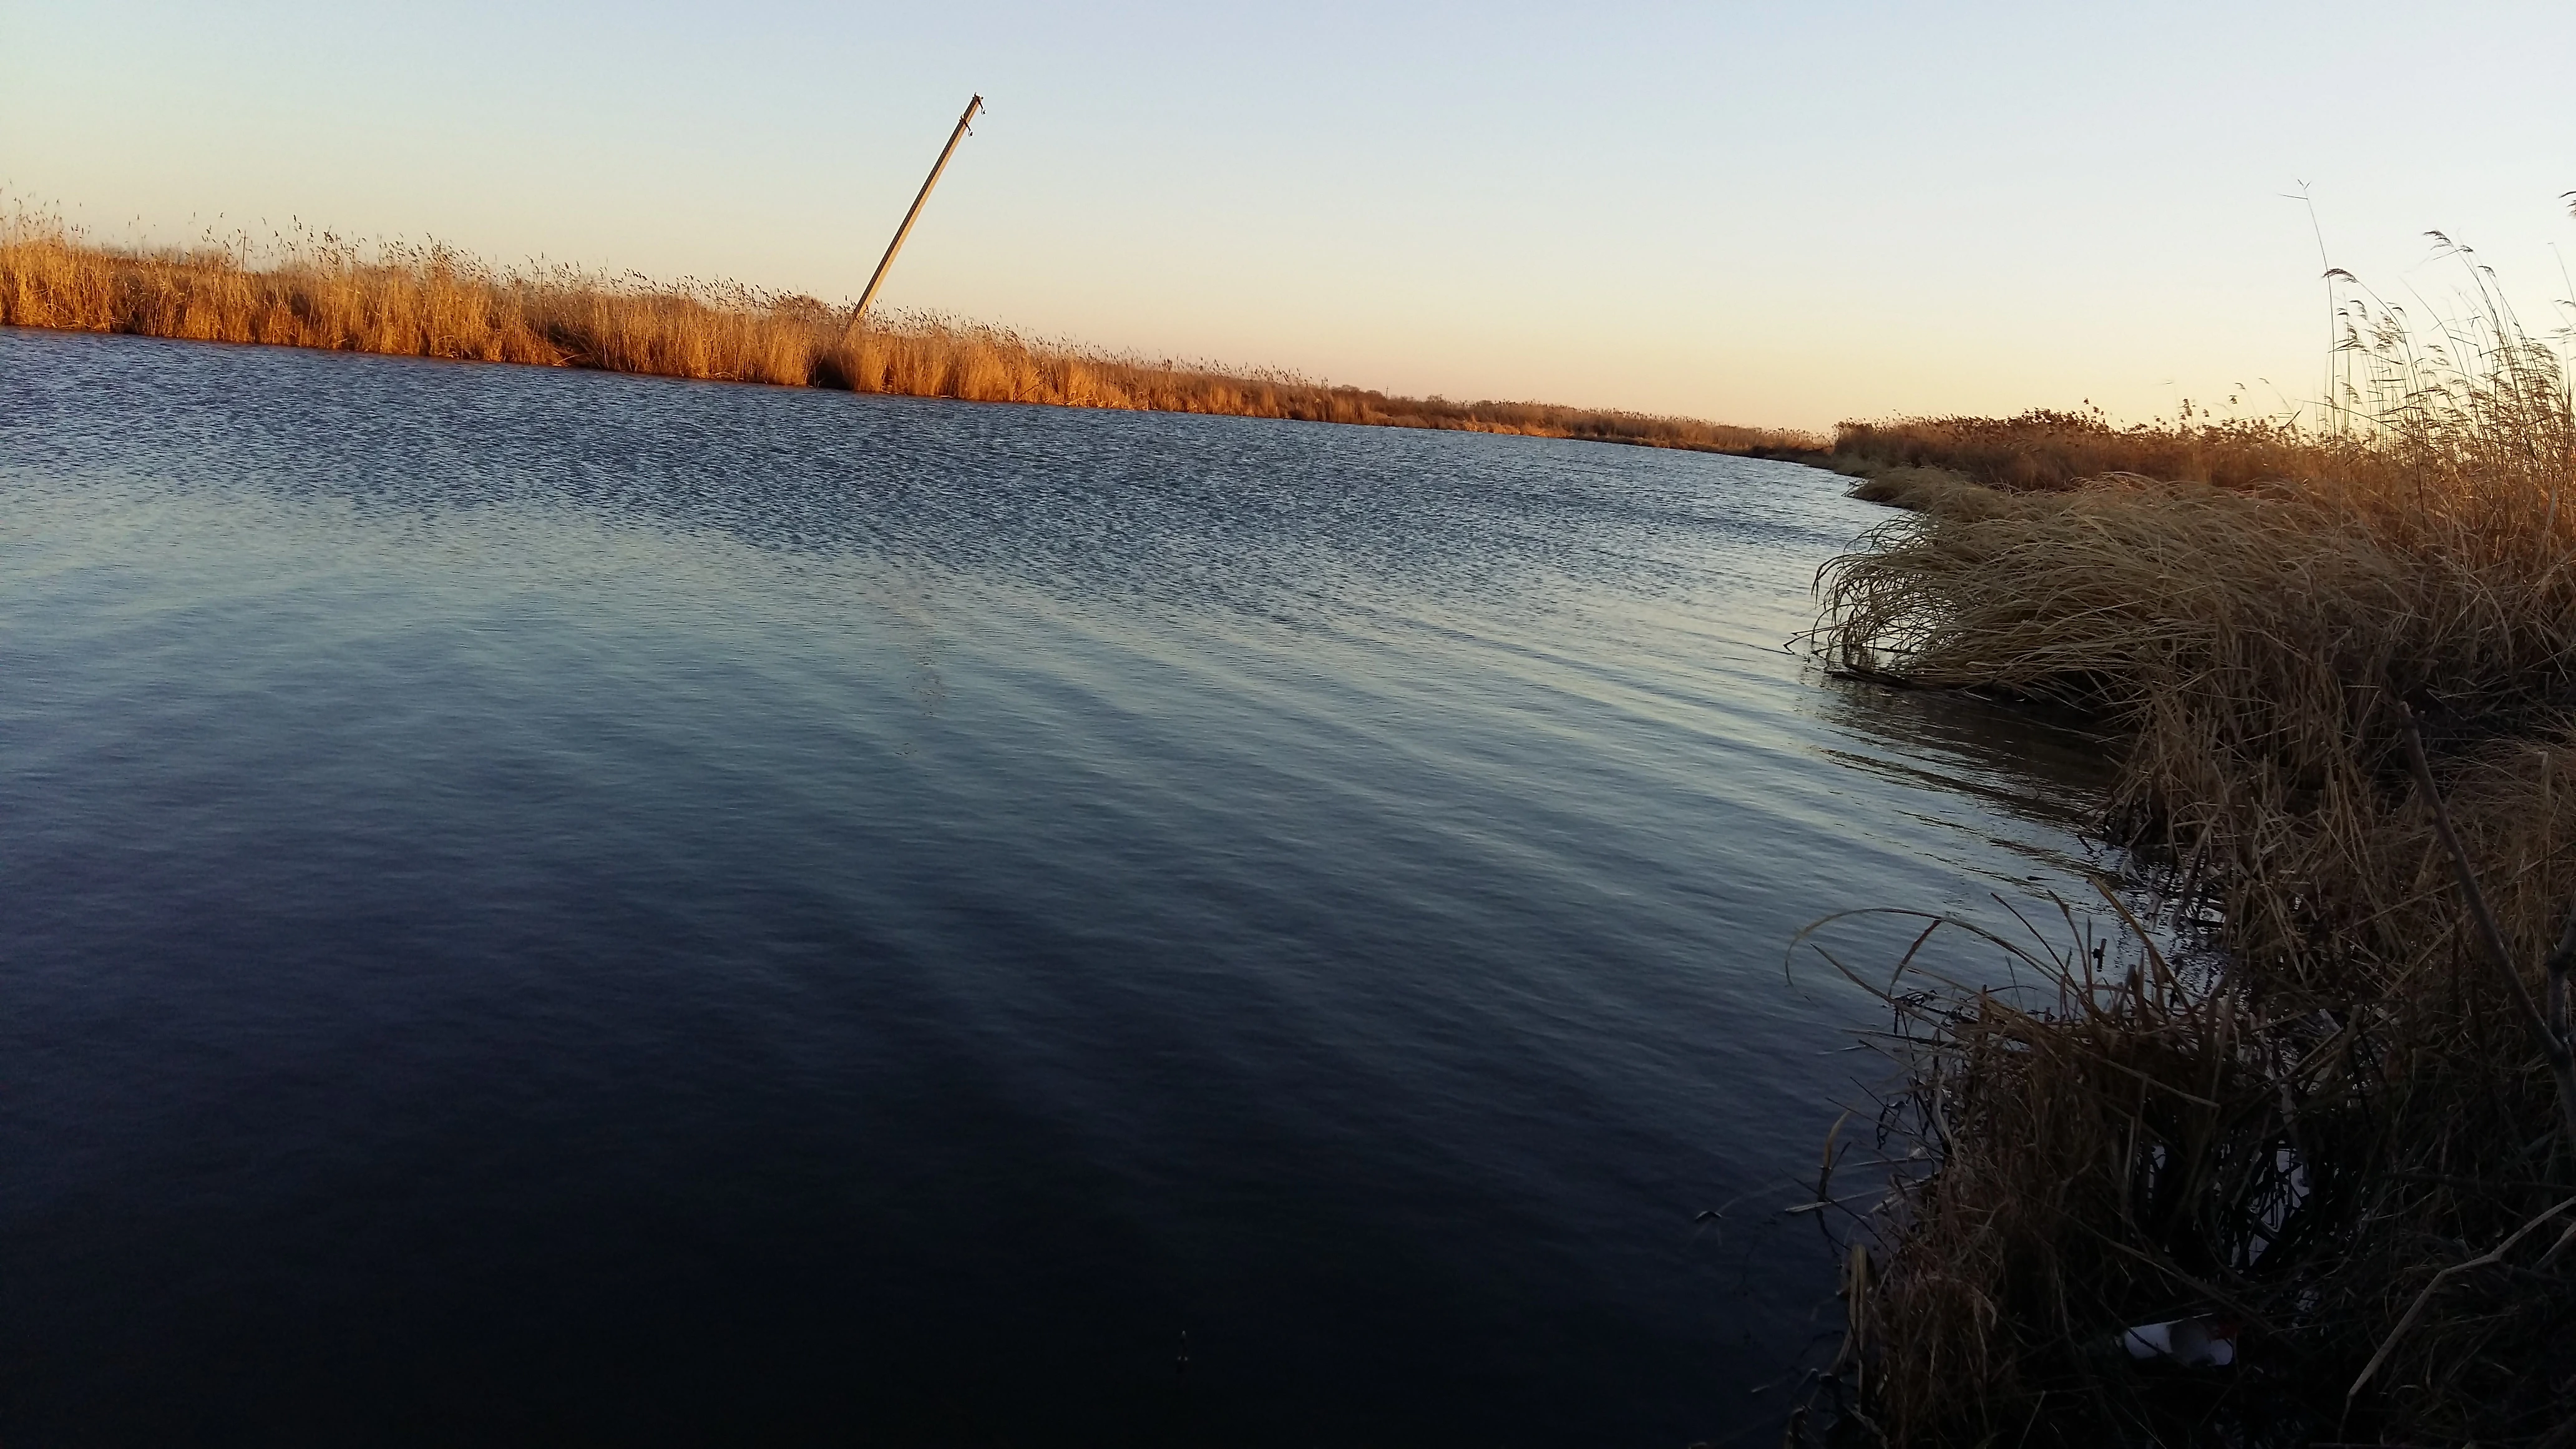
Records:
x=2329, y=1128
x=432, y=301
x=2045, y=449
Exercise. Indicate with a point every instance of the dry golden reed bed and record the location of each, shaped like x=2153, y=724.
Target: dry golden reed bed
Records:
x=2046, y=450
x=431, y=301
x=2335, y=1126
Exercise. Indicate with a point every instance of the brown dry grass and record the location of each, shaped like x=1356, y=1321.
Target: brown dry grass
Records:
x=431, y=301
x=2301, y=1128
x=2045, y=450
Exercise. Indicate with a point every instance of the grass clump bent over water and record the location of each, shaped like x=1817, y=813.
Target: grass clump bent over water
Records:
x=2329, y=1127
x=433, y=301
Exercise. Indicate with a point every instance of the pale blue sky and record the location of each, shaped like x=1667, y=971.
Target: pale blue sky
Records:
x=1765, y=213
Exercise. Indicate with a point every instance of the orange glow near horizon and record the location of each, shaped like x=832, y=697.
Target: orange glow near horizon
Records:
x=1771, y=219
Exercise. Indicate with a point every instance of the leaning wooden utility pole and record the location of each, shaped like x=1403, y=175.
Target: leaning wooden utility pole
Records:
x=909, y=217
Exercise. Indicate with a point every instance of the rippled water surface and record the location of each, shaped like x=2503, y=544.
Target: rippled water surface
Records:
x=552, y=907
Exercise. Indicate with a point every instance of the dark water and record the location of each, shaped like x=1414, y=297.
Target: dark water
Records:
x=541, y=907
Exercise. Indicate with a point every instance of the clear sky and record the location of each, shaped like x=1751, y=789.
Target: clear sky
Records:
x=1779, y=213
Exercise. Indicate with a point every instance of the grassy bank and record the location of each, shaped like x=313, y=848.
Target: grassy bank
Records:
x=434, y=302
x=2048, y=451
x=2334, y=1129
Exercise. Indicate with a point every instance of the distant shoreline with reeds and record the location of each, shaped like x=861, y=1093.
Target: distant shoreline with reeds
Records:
x=435, y=302
x=2317, y=1099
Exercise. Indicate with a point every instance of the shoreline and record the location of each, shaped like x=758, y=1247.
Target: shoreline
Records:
x=2336, y=672
x=435, y=304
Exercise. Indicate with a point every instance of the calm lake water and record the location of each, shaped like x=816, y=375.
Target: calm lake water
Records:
x=550, y=907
